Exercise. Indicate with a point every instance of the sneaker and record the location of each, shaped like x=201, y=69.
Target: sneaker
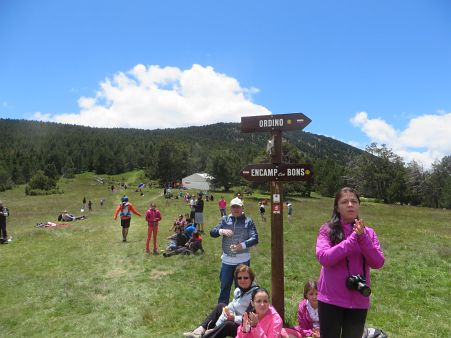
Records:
x=124, y=240
x=192, y=335
x=155, y=252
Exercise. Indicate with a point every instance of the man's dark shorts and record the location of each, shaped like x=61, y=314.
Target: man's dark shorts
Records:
x=125, y=223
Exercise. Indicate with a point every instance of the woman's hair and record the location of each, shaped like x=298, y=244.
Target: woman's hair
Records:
x=335, y=229
x=257, y=290
x=244, y=268
x=310, y=285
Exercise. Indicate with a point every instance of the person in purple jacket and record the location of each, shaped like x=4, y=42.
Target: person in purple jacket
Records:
x=346, y=249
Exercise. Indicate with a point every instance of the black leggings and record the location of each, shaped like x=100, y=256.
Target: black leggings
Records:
x=336, y=321
x=226, y=329
x=3, y=233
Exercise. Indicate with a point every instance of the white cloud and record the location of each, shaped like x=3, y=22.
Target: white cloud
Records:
x=425, y=140
x=153, y=97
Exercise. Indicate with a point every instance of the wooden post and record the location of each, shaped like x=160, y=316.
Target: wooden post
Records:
x=276, y=172
x=277, y=259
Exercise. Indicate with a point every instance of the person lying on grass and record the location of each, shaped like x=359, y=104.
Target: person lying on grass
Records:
x=193, y=245
x=67, y=217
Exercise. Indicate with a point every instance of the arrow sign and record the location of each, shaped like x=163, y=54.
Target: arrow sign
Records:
x=282, y=172
x=262, y=123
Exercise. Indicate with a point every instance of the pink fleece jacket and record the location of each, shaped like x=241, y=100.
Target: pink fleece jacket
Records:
x=153, y=216
x=332, y=280
x=305, y=327
x=270, y=326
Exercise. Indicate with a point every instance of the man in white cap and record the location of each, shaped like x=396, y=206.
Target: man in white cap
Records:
x=238, y=235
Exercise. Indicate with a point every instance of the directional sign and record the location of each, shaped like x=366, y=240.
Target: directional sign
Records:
x=262, y=123
x=273, y=172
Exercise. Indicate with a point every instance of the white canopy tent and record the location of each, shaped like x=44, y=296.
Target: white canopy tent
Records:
x=200, y=181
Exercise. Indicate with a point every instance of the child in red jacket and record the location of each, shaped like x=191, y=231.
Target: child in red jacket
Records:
x=153, y=216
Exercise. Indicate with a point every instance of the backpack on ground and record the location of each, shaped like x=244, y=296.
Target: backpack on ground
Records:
x=371, y=332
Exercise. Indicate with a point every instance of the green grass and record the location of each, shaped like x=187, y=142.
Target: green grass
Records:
x=82, y=281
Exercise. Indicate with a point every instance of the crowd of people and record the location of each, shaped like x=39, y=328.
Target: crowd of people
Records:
x=333, y=306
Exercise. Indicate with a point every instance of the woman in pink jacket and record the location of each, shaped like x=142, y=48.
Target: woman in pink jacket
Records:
x=153, y=216
x=264, y=322
x=346, y=249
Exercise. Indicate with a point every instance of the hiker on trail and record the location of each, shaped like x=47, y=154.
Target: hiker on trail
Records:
x=4, y=212
x=125, y=209
x=290, y=211
x=153, y=216
x=262, y=209
x=222, y=204
x=199, y=213
x=192, y=203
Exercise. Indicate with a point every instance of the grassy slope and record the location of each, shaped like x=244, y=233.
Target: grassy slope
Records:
x=82, y=281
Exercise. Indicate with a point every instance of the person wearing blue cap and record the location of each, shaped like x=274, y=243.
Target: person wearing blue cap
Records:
x=125, y=209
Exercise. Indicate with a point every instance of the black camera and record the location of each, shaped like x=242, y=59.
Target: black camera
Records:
x=358, y=283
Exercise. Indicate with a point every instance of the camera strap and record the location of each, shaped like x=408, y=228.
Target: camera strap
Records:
x=363, y=266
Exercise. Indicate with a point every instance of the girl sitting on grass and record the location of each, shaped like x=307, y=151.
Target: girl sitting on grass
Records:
x=307, y=314
x=263, y=321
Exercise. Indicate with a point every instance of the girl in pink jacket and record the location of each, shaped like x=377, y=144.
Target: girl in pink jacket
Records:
x=153, y=216
x=264, y=322
x=307, y=314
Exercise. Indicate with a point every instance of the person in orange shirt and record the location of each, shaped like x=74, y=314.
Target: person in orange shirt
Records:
x=125, y=209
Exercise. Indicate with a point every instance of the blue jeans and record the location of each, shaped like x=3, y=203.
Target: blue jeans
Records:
x=226, y=277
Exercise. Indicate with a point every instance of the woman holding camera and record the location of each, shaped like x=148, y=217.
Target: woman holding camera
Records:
x=346, y=250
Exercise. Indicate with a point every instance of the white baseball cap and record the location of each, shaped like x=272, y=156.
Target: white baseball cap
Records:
x=236, y=201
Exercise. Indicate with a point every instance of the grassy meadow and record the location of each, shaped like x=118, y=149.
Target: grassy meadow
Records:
x=82, y=281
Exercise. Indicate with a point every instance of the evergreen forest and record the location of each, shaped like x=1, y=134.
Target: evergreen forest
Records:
x=37, y=154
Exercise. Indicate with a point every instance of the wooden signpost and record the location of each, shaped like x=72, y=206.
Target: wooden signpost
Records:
x=276, y=173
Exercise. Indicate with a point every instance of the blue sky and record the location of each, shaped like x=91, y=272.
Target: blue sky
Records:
x=363, y=71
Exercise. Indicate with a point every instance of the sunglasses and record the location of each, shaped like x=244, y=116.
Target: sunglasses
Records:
x=239, y=278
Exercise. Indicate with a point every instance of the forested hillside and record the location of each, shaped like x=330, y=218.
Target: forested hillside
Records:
x=39, y=153
x=28, y=146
